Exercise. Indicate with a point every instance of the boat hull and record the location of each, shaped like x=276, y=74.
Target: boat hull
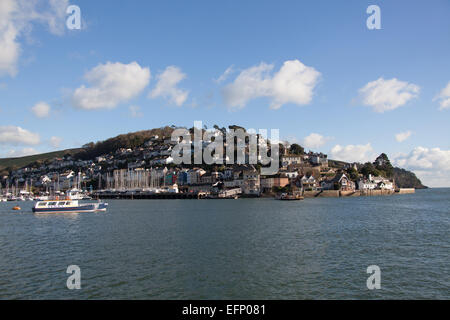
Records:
x=95, y=207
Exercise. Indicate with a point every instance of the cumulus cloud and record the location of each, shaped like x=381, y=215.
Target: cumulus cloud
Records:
x=352, y=153
x=384, y=95
x=11, y=135
x=111, y=84
x=55, y=142
x=293, y=83
x=422, y=158
x=41, y=110
x=166, y=87
x=21, y=153
x=444, y=98
x=402, y=136
x=17, y=18
x=315, y=140
x=135, y=112
x=432, y=165
x=224, y=76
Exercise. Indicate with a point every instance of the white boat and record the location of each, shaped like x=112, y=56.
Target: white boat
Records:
x=67, y=206
x=77, y=194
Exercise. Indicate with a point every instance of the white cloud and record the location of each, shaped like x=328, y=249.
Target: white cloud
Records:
x=402, y=136
x=41, y=110
x=8, y=34
x=55, y=142
x=135, y=112
x=293, y=83
x=444, y=98
x=111, y=84
x=352, y=153
x=11, y=135
x=224, y=76
x=384, y=95
x=432, y=165
x=16, y=20
x=21, y=153
x=424, y=158
x=166, y=87
x=315, y=140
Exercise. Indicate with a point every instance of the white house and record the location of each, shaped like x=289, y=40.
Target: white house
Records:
x=290, y=174
x=365, y=184
x=373, y=183
x=291, y=159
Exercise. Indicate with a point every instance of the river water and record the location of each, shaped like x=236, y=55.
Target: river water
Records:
x=232, y=249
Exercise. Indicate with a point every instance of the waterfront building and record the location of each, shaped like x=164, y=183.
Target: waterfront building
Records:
x=251, y=185
x=308, y=182
x=268, y=183
x=338, y=182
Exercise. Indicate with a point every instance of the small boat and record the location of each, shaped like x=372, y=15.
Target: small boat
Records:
x=68, y=206
x=17, y=208
x=77, y=194
x=290, y=196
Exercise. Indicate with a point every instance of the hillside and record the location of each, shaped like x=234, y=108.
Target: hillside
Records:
x=130, y=140
x=91, y=150
x=16, y=163
x=407, y=179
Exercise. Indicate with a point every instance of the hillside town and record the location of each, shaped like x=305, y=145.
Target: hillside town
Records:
x=149, y=169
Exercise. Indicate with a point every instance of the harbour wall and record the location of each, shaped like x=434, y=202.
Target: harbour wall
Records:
x=306, y=194
x=406, y=190
x=376, y=192
x=356, y=193
x=321, y=194
x=168, y=195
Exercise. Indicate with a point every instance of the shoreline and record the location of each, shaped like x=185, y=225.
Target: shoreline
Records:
x=199, y=196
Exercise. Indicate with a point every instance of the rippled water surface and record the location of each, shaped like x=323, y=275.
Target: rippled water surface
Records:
x=232, y=249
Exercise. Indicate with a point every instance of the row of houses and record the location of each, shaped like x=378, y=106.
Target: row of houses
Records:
x=152, y=164
x=339, y=181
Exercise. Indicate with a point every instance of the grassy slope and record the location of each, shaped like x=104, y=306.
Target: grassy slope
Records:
x=16, y=163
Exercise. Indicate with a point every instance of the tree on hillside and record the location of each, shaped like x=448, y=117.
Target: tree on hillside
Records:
x=296, y=149
x=369, y=168
x=383, y=164
x=352, y=173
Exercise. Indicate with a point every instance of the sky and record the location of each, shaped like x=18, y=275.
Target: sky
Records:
x=312, y=69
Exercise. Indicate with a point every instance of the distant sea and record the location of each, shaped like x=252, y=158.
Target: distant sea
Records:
x=232, y=249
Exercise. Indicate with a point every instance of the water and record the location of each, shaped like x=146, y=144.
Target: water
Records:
x=232, y=249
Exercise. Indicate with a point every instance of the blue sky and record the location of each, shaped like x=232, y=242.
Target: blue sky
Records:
x=341, y=74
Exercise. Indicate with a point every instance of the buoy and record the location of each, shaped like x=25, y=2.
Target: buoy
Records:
x=16, y=208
